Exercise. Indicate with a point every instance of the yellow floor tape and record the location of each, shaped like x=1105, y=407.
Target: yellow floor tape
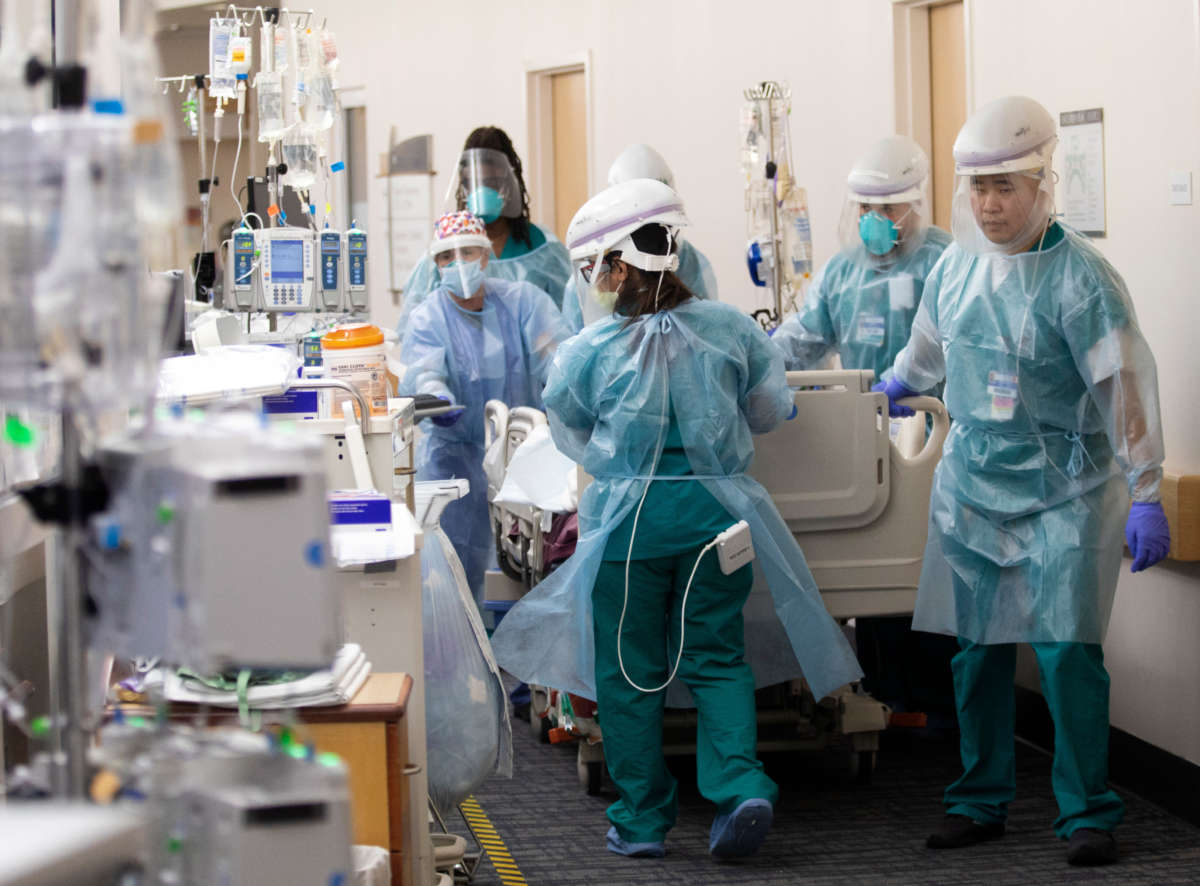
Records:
x=489, y=839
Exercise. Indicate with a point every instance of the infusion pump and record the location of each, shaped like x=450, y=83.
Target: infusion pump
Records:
x=295, y=270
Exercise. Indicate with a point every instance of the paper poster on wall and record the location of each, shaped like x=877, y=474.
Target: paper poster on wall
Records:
x=408, y=209
x=1082, y=170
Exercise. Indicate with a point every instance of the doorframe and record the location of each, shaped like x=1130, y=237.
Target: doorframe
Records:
x=910, y=28
x=539, y=167
x=352, y=98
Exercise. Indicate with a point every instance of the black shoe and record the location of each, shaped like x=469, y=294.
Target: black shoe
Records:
x=1088, y=847
x=957, y=831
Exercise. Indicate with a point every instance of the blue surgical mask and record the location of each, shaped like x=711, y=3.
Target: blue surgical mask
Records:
x=879, y=234
x=452, y=277
x=486, y=203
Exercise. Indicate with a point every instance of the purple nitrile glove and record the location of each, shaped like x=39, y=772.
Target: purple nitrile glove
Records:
x=447, y=420
x=1147, y=534
x=895, y=391
x=793, y=413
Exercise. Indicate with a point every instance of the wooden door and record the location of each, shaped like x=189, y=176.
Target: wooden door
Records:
x=947, y=100
x=568, y=108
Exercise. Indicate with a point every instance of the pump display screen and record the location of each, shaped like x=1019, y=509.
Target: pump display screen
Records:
x=287, y=261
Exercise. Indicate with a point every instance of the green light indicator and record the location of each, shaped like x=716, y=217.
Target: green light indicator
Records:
x=17, y=432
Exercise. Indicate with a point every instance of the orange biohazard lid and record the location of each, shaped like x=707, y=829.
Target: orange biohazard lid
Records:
x=355, y=335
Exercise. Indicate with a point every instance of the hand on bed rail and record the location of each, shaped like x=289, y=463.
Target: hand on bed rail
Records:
x=895, y=391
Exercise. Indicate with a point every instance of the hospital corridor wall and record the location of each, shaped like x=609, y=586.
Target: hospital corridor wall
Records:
x=426, y=71
x=446, y=74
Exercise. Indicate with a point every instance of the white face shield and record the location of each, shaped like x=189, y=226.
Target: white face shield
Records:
x=1002, y=205
x=598, y=297
x=461, y=269
x=886, y=211
x=881, y=229
x=1004, y=185
x=606, y=224
x=485, y=185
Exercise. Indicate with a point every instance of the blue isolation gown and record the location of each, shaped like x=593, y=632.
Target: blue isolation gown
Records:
x=1054, y=395
x=545, y=265
x=860, y=307
x=607, y=400
x=503, y=352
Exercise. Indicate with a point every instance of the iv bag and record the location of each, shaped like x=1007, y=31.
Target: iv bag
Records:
x=322, y=104
x=221, y=80
x=281, y=49
x=329, y=53
x=269, y=87
x=300, y=155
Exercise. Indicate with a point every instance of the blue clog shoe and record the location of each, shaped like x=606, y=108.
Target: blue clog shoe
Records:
x=742, y=831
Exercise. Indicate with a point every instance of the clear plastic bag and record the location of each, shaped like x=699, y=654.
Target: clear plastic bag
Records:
x=329, y=51
x=269, y=87
x=300, y=155
x=467, y=729
x=322, y=103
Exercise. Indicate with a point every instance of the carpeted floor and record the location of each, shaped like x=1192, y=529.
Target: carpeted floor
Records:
x=828, y=829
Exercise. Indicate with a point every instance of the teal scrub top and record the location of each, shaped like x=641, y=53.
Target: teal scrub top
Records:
x=678, y=515
x=514, y=248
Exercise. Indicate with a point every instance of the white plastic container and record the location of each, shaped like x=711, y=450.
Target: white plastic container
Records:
x=355, y=353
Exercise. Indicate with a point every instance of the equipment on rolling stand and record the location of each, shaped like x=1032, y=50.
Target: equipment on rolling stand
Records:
x=779, y=251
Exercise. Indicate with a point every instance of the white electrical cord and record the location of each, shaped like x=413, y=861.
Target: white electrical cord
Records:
x=629, y=556
x=233, y=172
x=682, y=606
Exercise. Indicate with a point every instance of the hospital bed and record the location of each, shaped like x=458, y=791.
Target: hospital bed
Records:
x=519, y=532
x=854, y=494
x=853, y=486
x=518, y=528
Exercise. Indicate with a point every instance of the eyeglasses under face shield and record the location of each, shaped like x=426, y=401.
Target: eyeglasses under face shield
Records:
x=604, y=267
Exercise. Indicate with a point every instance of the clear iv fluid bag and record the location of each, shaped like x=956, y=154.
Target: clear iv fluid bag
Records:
x=80, y=312
x=300, y=155
x=222, y=83
x=794, y=212
x=268, y=86
x=322, y=105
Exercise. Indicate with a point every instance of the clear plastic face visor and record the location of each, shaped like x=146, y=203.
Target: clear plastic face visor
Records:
x=598, y=294
x=460, y=269
x=1001, y=212
x=594, y=287
x=909, y=218
x=486, y=185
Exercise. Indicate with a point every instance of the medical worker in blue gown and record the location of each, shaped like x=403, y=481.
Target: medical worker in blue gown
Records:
x=474, y=339
x=658, y=403
x=1056, y=427
x=488, y=183
x=862, y=303
x=861, y=307
x=694, y=272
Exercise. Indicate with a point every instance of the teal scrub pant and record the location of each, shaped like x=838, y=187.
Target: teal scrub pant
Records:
x=713, y=667
x=1075, y=686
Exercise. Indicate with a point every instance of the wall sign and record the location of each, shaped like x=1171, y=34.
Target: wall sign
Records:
x=1082, y=170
